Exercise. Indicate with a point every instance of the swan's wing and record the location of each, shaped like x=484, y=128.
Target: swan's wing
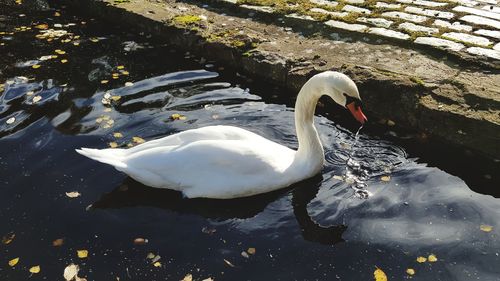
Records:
x=205, y=133
x=212, y=167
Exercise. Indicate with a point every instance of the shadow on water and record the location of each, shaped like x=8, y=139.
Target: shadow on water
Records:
x=46, y=112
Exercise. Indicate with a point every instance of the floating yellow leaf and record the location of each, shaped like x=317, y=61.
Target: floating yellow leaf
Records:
x=421, y=259
x=95, y=40
x=229, y=263
x=188, y=277
x=71, y=272
x=35, y=269
x=140, y=241
x=73, y=194
x=120, y=67
x=385, y=178
x=125, y=73
x=486, y=228
x=35, y=66
x=390, y=123
x=57, y=14
x=432, y=258
x=58, y=242
x=251, y=251
x=117, y=135
x=36, y=99
x=379, y=275
x=7, y=239
x=104, y=81
x=138, y=140
x=60, y=52
x=10, y=120
x=116, y=98
x=113, y=144
x=410, y=271
x=128, y=84
x=64, y=61
x=157, y=264
x=76, y=43
x=13, y=262
x=42, y=26
x=82, y=253
x=177, y=116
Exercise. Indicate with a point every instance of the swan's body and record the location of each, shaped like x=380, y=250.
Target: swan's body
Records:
x=229, y=162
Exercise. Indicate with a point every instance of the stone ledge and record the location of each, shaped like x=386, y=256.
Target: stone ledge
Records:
x=456, y=103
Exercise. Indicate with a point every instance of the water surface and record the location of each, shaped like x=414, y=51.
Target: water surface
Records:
x=315, y=230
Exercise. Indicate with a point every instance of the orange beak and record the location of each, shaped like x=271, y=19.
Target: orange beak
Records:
x=356, y=112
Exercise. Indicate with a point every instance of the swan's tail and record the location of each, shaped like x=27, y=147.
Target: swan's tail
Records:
x=112, y=157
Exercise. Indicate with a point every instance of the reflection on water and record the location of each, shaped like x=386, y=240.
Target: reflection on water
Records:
x=317, y=229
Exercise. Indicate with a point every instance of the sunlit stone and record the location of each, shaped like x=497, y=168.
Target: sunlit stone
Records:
x=323, y=11
x=455, y=26
x=430, y=13
x=477, y=12
x=405, y=16
x=380, y=22
x=438, y=42
x=494, y=54
x=354, y=9
x=389, y=33
x=387, y=5
x=489, y=33
x=481, y=20
x=324, y=3
x=346, y=26
x=417, y=28
x=467, y=38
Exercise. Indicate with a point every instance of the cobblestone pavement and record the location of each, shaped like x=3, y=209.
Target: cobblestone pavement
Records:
x=466, y=26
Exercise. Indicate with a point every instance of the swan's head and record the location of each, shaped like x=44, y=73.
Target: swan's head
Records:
x=343, y=91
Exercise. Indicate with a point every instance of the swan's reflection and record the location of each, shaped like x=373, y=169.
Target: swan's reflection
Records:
x=131, y=193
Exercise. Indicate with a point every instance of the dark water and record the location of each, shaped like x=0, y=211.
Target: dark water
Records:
x=315, y=230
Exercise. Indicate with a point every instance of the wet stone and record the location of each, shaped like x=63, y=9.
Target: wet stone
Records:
x=455, y=26
x=389, y=33
x=324, y=3
x=323, y=11
x=441, y=43
x=354, y=9
x=481, y=21
x=494, y=54
x=387, y=5
x=379, y=22
x=430, y=13
x=489, y=33
x=408, y=26
x=467, y=38
x=405, y=16
x=346, y=26
x=477, y=12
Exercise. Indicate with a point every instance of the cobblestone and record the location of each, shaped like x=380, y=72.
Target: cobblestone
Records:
x=389, y=33
x=325, y=3
x=323, y=11
x=417, y=28
x=405, y=16
x=438, y=42
x=379, y=22
x=477, y=12
x=347, y=26
x=467, y=38
x=489, y=33
x=354, y=9
x=494, y=54
x=430, y=13
x=481, y=21
x=455, y=26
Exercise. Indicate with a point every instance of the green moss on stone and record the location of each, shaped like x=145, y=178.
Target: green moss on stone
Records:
x=186, y=19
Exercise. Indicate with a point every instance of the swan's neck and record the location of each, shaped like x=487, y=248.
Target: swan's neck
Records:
x=310, y=150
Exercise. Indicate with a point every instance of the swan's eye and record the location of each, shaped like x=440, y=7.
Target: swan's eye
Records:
x=349, y=100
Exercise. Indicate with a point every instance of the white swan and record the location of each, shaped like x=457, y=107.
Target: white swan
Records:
x=227, y=162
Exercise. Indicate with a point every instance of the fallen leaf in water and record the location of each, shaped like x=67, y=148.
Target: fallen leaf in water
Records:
x=245, y=255
x=140, y=241
x=11, y=120
x=340, y=178
x=93, y=39
x=59, y=52
x=71, y=272
x=42, y=26
x=8, y=238
x=35, y=269
x=188, y=277
x=64, y=61
x=129, y=84
x=99, y=120
x=104, y=81
x=82, y=253
x=110, y=122
x=76, y=43
x=37, y=99
x=177, y=116
x=157, y=264
x=13, y=262
x=432, y=258
x=229, y=263
x=385, y=178
x=57, y=14
x=117, y=135
x=73, y=194
x=124, y=72
x=390, y=123
x=116, y=98
x=486, y=228
x=379, y=275
x=421, y=259
x=35, y=66
x=410, y=271
x=150, y=256
x=58, y=242
x=251, y=251
x=138, y=140
x=208, y=230
x=120, y=67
